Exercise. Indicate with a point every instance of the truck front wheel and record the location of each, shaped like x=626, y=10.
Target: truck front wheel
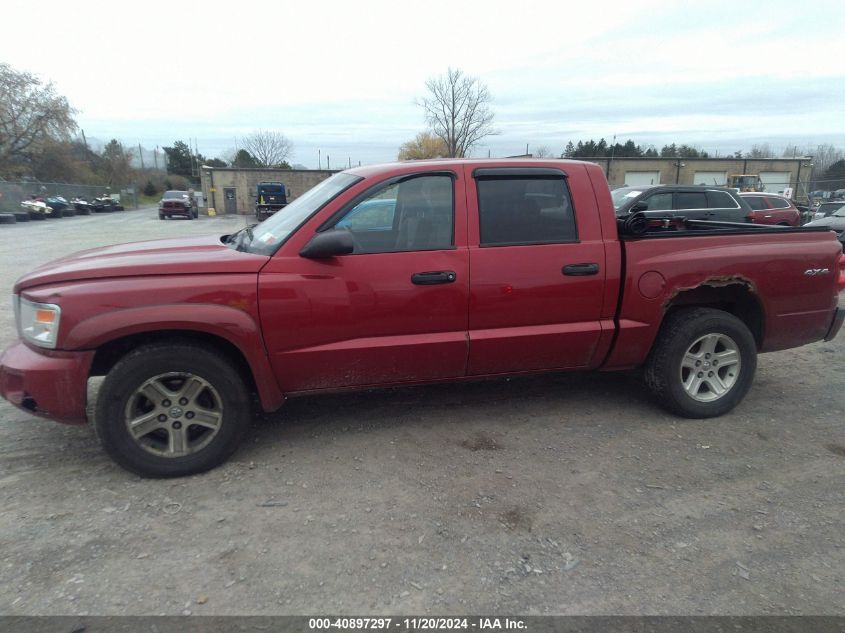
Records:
x=703, y=362
x=168, y=410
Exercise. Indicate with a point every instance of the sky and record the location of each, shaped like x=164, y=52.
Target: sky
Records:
x=344, y=79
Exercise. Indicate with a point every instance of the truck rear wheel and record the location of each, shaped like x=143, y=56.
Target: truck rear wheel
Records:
x=703, y=362
x=168, y=410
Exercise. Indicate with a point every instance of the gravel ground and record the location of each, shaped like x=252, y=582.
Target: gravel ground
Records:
x=569, y=494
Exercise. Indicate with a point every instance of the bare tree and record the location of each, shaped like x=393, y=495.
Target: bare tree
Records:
x=824, y=156
x=31, y=113
x=762, y=150
x=542, y=152
x=457, y=109
x=270, y=149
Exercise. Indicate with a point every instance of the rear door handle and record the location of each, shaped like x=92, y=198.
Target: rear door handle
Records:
x=434, y=277
x=580, y=270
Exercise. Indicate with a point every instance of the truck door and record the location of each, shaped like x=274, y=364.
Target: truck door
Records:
x=392, y=311
x=536, y=274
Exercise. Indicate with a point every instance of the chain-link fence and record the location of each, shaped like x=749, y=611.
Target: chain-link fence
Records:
x=12, y=193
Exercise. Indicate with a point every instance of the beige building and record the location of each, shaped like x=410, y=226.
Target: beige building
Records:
x=231, y=190
x=777, y=174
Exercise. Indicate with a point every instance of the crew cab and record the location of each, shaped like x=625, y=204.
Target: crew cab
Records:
x=404, y=274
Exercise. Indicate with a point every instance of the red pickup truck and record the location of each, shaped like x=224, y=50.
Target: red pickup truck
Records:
x=404, y=274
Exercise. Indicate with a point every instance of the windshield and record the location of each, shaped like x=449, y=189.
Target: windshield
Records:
x=623, y=194
x=270, y=234
x=839, y=213
x=169, y=195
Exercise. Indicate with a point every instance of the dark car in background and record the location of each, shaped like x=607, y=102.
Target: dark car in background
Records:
x=176, y=203
x=768, y=208
x=695, y=202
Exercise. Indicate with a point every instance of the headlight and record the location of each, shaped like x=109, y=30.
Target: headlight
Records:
x=38, y=322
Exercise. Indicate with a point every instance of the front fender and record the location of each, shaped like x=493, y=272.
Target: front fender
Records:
x=231, y=324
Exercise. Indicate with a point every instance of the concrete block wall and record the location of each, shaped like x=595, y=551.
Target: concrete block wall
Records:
x=296, y=181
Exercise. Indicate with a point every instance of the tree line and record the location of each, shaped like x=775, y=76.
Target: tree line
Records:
x=40, y=139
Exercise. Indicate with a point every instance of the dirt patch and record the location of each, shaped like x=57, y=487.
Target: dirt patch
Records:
x=481, y=442
x=517, y=519
x=836, y=449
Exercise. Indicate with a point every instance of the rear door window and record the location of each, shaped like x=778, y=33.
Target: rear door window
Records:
x=515, y=210
x=690, y=200
x=756, y=202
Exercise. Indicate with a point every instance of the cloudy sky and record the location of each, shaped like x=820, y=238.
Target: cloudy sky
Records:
x=342, y=78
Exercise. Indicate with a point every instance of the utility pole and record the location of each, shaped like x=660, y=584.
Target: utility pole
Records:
x=328, y=162
x=612, y=154
x=84, y=140
x=141, y=155
x=155, y=157
x=319, y=160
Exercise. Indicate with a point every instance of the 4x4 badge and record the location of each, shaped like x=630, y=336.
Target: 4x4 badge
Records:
x=812, y=272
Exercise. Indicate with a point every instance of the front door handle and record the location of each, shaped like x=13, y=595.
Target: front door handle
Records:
x=580, y=270
x=434, y=277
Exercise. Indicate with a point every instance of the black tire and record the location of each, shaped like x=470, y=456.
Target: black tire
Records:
x=121, y=390
x=83, y=211
x=7, y=218
x=68, y=213
x=161, y=216
x=680, y=332
x=34, y=215
x=21, y=216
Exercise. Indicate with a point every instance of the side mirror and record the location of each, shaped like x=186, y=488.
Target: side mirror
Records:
x=328, y=244
x=639, y=206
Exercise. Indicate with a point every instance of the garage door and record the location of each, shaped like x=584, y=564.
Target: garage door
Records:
x=712, y=178
x=642, y=178
x=775, y=181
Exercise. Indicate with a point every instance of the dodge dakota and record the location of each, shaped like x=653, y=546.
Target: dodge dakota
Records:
x=402, y=274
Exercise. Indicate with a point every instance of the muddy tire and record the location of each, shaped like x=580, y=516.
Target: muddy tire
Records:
x=702, y=363
x=7, y=218
x=169, y=410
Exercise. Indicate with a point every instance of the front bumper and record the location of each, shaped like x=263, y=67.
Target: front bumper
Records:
x=838, y=318
x=48, y=384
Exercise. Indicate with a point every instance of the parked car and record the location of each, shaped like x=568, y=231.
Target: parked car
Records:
x=176, y=203
x=105, y=204
x=695, y=202
x=835, y=221
x=769, y=208
x=825, y=209
x=486, y=268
